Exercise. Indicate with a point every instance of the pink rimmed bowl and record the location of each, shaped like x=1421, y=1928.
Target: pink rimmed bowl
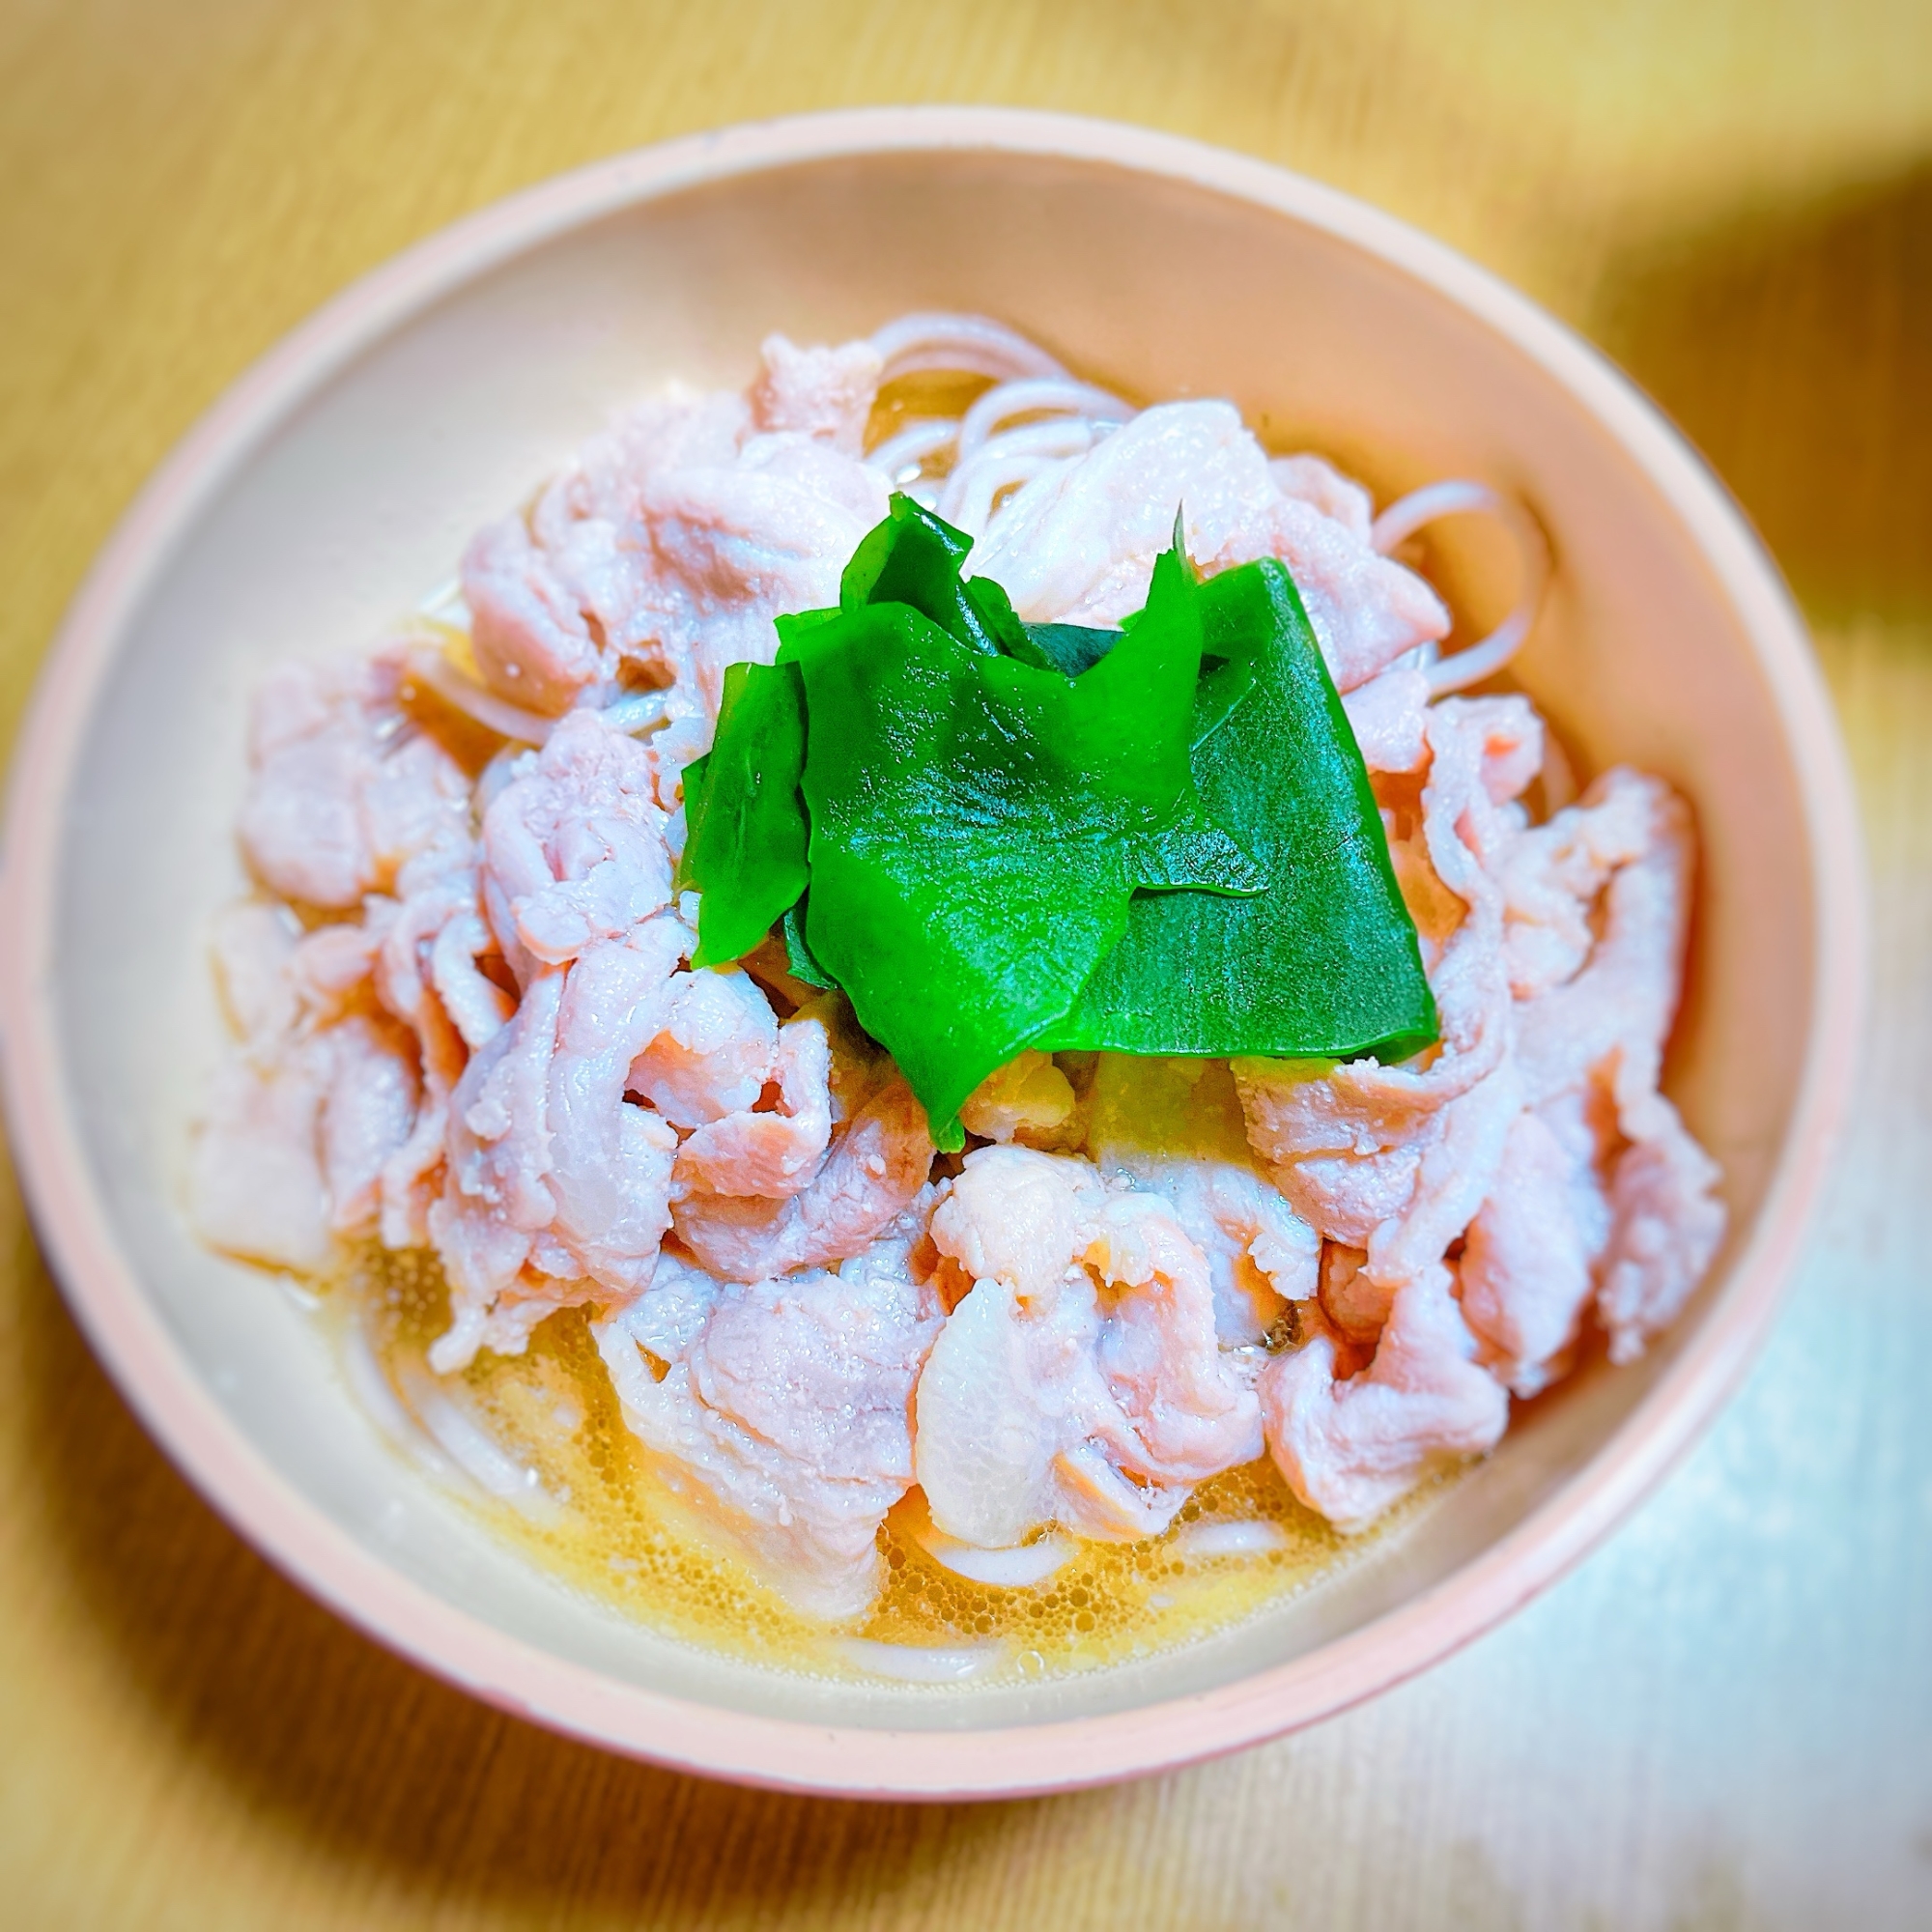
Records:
x=336, y=482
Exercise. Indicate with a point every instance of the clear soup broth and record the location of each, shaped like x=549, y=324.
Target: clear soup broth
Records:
x=578, y=1491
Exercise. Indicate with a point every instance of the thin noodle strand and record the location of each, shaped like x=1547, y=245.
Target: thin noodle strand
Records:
x=973, y=345
x=1036, y=397
x=1453, y=497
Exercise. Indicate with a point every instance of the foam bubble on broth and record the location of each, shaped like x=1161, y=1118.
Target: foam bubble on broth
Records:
x=619, y=1533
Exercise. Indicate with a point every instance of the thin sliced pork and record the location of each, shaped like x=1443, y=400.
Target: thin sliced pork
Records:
x=679, y=536
x=343, y=787
x=311, y=1101
x=1078, y=543
x=780, y=1410
x=1080, y=1380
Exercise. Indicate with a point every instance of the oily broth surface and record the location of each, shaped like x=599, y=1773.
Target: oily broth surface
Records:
x=595, y=1510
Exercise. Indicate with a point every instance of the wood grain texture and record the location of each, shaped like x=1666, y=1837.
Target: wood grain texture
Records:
x=1724, y=1719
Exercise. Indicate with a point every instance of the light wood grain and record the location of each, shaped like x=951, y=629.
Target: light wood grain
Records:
x=1726, y=1718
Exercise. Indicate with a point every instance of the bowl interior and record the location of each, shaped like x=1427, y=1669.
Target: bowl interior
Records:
x=359, y=498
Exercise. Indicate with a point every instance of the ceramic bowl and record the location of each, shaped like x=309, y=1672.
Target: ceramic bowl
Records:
x=336, y=483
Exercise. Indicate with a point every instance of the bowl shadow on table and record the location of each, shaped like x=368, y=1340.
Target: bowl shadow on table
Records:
x=1793, y=344
x=365, y=1759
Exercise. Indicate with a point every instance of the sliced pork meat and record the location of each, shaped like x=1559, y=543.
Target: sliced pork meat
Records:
x=1591, y=1045
x=432, y=936
x=1078, y=543
x=1366, y=610
x=573, y=845
x=1174, y=1128
x=1356, y=1306
x=680, y=535
x=368, y=1112
x=1397, y=1162
x=715, y=1052
x=1080, y=1380
x=874, y=1169
x=1187, y=1402
x=1389, y=717
x=431, y=943
x=1353, y=1447
x=312, y=1100
x=1556, y=989
x=560, y=1188
x=1525, y=1269
x=1260, y=1254
x=1316, y=481
x=732, y=548
x=1666, y=1229
x=774, y=1151
x=558, y=597
x=824, y=393
x=610, y=1160
x=530, y=610
x=342, y=786
x=1550, y=877
x=720, y=1056
x=1605, y=1029
x=780, y=1410
x=253, y=949
x=255, y=1180
x=494, y=1199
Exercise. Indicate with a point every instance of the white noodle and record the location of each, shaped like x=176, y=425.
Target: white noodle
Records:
x=1458, y=497
x=1037, y=397
x=379, y=1401
x=1019, y=455
x=428, y=666
x=902, y=456
x=474, y=1451
x=630, y=711
x=1004, y=1569
x=980, y=458
x=633, y=712
x=972, y=510
x=1200, y=1540
x=915, y=1664
x=972, y=345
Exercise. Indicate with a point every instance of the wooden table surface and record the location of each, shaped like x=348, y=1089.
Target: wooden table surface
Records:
x=1724, y=1719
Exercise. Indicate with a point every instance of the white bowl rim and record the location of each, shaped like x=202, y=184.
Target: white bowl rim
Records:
x=104, y=1288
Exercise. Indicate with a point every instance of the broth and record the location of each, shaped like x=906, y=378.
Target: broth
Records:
x=578, y=1493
